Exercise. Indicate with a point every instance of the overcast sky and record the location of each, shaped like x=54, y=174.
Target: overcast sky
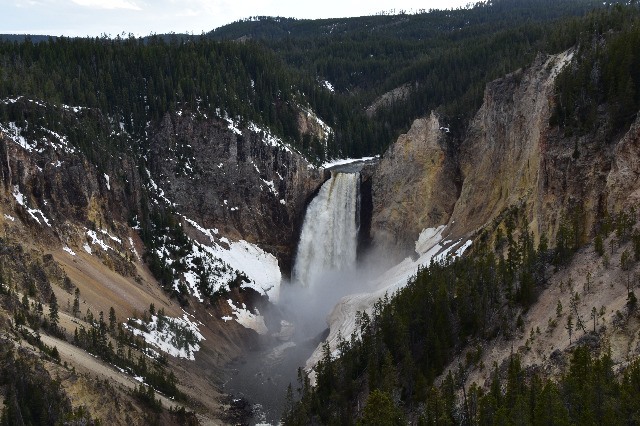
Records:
x=143, y=17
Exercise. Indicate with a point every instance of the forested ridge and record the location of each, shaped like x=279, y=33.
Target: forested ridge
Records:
x=443, y=59
x=455, y=307
x=135, y=82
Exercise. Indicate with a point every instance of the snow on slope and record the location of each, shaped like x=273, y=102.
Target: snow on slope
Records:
x=260, y=267
x=178, y=337
x=344, y=161
x=37, y=140
x=22, y=200
x=247, y=319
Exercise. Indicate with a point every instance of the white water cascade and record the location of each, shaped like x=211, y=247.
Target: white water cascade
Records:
x=329, y=236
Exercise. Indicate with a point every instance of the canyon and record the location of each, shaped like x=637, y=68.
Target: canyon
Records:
x=224, y=244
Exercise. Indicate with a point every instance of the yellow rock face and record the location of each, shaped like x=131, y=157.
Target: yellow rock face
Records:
x=414, y=187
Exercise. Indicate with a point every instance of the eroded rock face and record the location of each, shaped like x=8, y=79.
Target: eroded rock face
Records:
x=513, y=157
x=242, y=182
x=413, y=187
x=234, y=181
x=58, y=193
x=623, y=186
x=501, y=155
x=510, y=156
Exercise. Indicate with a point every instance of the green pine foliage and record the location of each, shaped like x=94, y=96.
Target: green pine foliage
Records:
x=98, y=339
x=604, y=77
x=134, y=81
x=31, y=396
x=410, y=337
x=444, y=58
x=589, y=393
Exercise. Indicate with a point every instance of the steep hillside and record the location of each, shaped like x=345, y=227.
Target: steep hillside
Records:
x=99, y=239
x=245, y=183
x=545, y=286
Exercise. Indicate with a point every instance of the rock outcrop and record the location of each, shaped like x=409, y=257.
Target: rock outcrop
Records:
x=502, y=156
x=58, y=194
x=244, y=183
x=623, y=189
x=70, y=223
x=414, y=186
x=510, y=157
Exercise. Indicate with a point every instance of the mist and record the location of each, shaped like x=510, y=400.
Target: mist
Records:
x=307, y=307
x=326, y=269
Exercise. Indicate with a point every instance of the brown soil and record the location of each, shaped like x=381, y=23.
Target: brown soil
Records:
x=616, y=330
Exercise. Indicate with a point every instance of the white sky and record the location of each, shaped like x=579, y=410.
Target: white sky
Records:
x=143, y=17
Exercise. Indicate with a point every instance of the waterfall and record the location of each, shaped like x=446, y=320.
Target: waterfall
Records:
x=329, y=236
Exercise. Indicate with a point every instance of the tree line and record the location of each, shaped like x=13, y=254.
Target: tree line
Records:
x=404, y=344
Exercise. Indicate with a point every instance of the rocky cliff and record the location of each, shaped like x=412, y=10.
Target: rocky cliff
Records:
x=502, y=158
x=510, y=157
x=414, y=186
x=69, y=223
x=242, y=181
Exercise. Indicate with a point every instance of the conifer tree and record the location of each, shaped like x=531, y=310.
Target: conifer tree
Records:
x=53, y=311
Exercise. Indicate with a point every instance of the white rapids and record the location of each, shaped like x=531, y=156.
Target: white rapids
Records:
x=329, y=237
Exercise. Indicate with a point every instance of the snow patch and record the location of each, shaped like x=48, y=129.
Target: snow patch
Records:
x=178, y=337
x=13, y=132
x=133, y=249
x=343, y=161
x=462, y=248
x=326, y=84
x=68, y=250
x=272, y=187
x=106, y=178
x=248, y=319
x=233, y=126
x=22, y=200
x=269, y=138
x=259, y=266
x=116, y=239
x=158, y=190
x=97, y=241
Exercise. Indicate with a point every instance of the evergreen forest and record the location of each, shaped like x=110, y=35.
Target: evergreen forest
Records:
x=441, y=60
x=385, y=372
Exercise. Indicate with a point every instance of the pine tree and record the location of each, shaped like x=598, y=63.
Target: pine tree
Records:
x=112, y=319
x=569, y=326
x=76, y=302
x=53, y=311
x=380, y=410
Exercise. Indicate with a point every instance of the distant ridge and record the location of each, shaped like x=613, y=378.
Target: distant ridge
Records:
x=22, y=37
